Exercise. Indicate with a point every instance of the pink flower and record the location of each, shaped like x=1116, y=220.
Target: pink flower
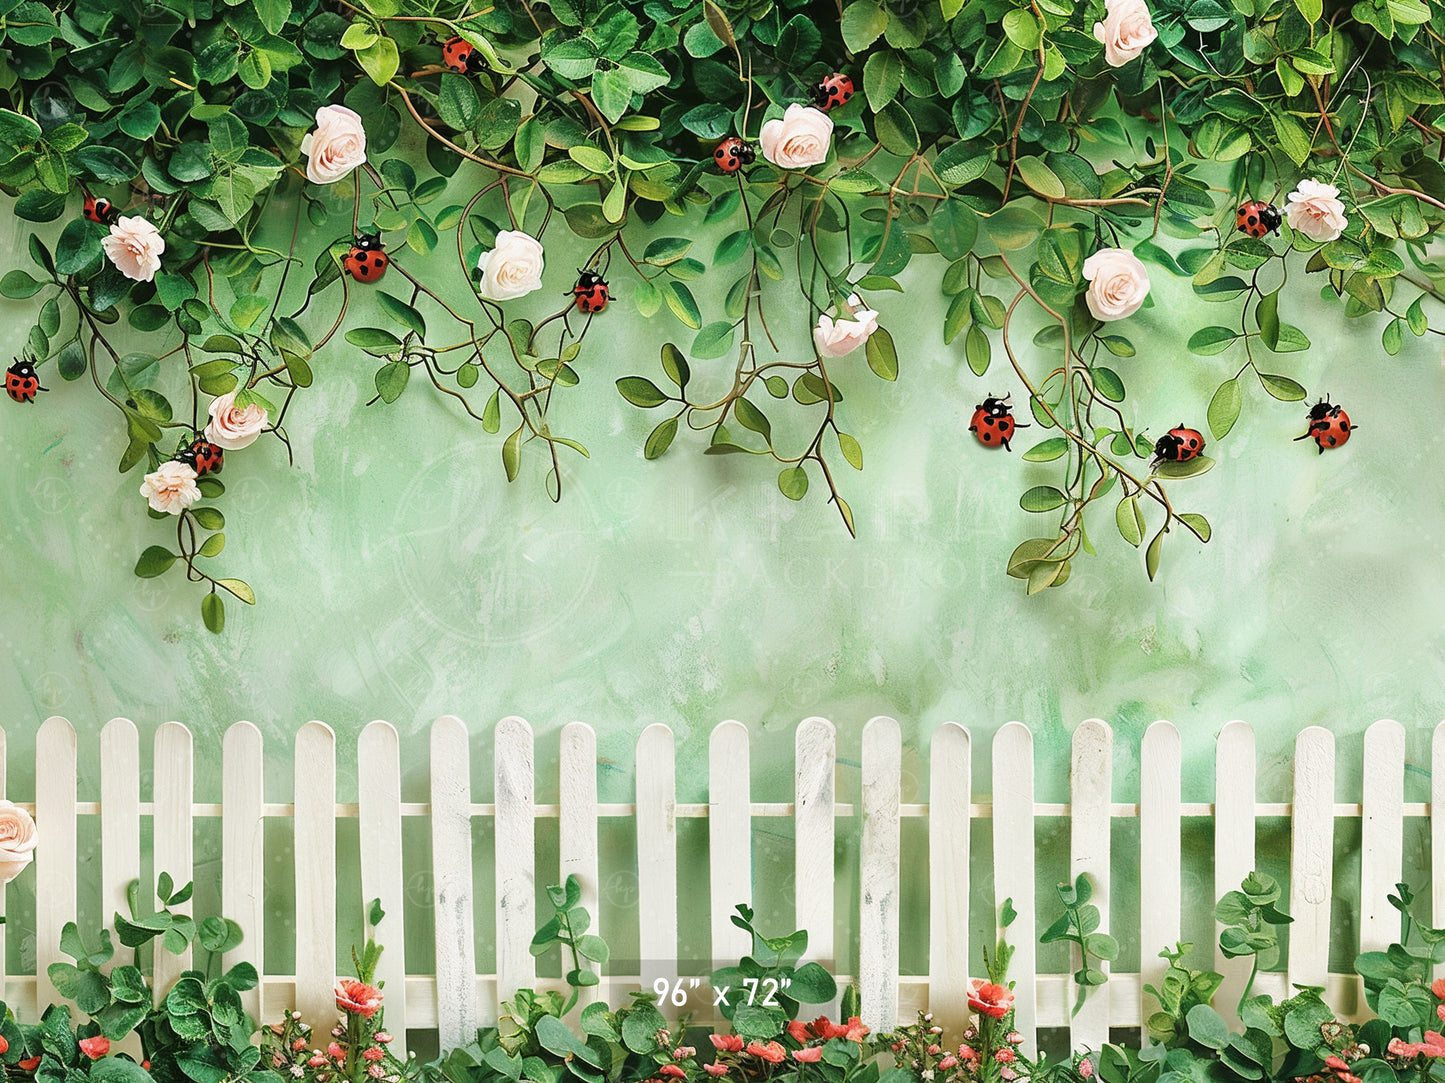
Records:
x=335, y=1052
x=382, y=1036
x=1008, y=1056
x=1314, y=208
x=683, y=1052
x=812, y=1055
x=96, y=1047
x=29, y=1064
x=1086, y=1068
x=1433, y=1045
x=799, y=140
x=991, y=1000
x=171, y=488
x=674, y=1071
x=715, y=1069
x=1127, y=30
x=798, y=1031
x=948, y=1062
x=1013, y=1037
x=1118, y=283
x=373, y=1053
x=298, y=1045
x=934, y=1050
x=376, y=1071
x=317, y=1061
x=727, y=1043
x=17, y=842
x=840, y=335
x=772, y=1052
x=1438, y=988
x=135, y=246
x=1007, y=1073
x=232, y=428
x=336, y=147
x=968, y=1053
x=4, y=1045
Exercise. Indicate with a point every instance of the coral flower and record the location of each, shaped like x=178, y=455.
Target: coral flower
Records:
x=988, y=999
x=96, y=1047
x=715, y=1069
x=726, y=1043
x=772, y=1052
x=811, y=1055
x=357, y=997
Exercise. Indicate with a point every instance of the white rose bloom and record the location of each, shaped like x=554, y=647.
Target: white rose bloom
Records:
x=172, y=488
x=1118, y=283
x=336, y=147
x=836, y=336
x=1314, y=208
x=135, y=246
x=513, y=268
x=17, y=840
x=231, y=428
x=1126, y=31
x=801, y=139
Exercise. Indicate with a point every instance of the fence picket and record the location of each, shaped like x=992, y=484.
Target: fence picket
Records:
x=949, y=821
x=1437, y=832
x=174, y=774
x=878, y=872
x=378, y=765
x=119, y=817
x=730, y=838
x=516, y=855
x=815, y=758
x=243, y=852
x=4, y=992
x=55, y=861
x=1234, y=779
x=1159, y=853
x=1382, y=839
x=315, y=848
x=1013, y=865
x=577, y=832
x=451, y=833
x=1312, y=856
x=1091, y=796
x=656, y=855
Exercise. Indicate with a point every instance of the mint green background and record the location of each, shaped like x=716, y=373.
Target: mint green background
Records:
x=401, y=577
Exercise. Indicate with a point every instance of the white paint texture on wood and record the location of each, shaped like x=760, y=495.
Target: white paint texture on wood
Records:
x=378, y=792
x=878, y=873
x=516, y=855
x=657, y=885
x=55, y=870
x=730, y=839
x=1091, y=793
x=1159, y=852
x=452, y=891
x=1013, y=865
x=119, y=817
x=949, y=798
x=1382, y=838
x=815, y=758
x=577, y=832
x=315, y=871
x=174, y=775
x=1234, y=780
x=243, y=852
x=1312, y=856
x=1437, y=832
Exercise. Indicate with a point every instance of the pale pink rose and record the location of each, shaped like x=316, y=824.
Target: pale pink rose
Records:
x=232, y=428
x=336, y=147
x=17, y=840
x=513, y=268
x=1126, y=31
x=1314, y=208
x=799, y=140
x=835, y=337
x=172, y=488
x=1117, y=281
x=135, y=246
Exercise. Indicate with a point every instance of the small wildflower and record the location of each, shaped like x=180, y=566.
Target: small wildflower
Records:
x=96, y=1047
x=1013, y=1037
x=296, y=1016
x=715, y=1070
x=811, y=1055
x=298, y=1045
x=1008, y=1056
x=673, y=1071
x=376, y=1071
x=382, y=1036
x=948, y=1062
x=970, y=1034
x=684, y=1052
x=934, y=1050
x=373, y=1053
x=726, y=1043
x=1086, y=1068
x=297, y=1071
x=29, y=1064
x=335, y=1051
x=1008, y=1073
x=316, y=1061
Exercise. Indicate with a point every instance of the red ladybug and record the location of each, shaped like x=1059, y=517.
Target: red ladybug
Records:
x=1329, y=425
x=833, y=91
x=21, y=382
x=99, y=210
x=993, y=422
x=732, y=154
x=202, y=456
x=461, y=57
x=591, y=292
x=366, y=262
x=1178, y=445
x=1258, y=218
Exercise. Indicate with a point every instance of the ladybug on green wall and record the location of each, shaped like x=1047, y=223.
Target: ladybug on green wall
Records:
x=202, y=456
x=21, y=381
x=590, y=292
x=366, y=262
x=993, y=422
x=1329, y=425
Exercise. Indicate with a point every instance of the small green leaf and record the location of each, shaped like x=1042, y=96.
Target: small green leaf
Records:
x=213, y=612
x=391, y=380
x=1047, y=450
x=492, y=413
x=1151, y=555
x=660, y=439
x=1282, y=387
x=641, y=391
x=1211, y=340
x=1198, y=523
x=882, y=355
x=1042, y=498
x=1130, y=520
x=851, y=450
x=154, y=561
x=793, y=482
x=1224, y=408
x=512, y=454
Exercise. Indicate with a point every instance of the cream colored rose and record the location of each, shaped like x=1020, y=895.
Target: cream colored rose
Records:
x=172, y=488
x=1314, y=208
x=135, y=246
x=1117, y=281
x=17, y=840
x=799, y=140
x=513, y=268
x=336, y=147
x=1126, y=31
x=232, y=428
x=836, y=336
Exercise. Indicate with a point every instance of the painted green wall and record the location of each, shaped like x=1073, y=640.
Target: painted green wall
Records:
x=400, y=577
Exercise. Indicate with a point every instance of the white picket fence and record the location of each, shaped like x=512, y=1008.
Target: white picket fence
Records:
x=455, y=999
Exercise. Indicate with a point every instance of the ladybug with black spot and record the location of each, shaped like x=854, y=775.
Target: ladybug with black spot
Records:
x=461, y=56
x=833, y=91
x=993, y=422
x=1178, y=445
x=98, y=209
x=1329, y=425
x=1258, y=218
x=732, y=154
x=366, y=262
x=590, y=292
x=202, y=456
x=21, y=381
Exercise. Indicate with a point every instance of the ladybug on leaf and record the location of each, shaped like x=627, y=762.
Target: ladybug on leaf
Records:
x=1178, y=445
x=1257, y=218
x=366, y=262
x=732, y=154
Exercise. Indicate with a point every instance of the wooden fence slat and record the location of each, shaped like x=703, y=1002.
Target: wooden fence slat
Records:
x=516, y=855
x=378, y=768
x=949, y=800
x=879, y=861
x=1382, y=838
x=315, y=848
x=1234, y=782
x=1091, y=795
x=1013, y=865
x=1437, y=833
x=4, y=991
x=119, y=817
x=243, y=852
x=730, y=838
x=1312, y=856
x=577, y=832
x=451, y=828
x=174, y=787
x=55, y=871
x=1160, y=892
x=815, y=758
x=656, y=855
